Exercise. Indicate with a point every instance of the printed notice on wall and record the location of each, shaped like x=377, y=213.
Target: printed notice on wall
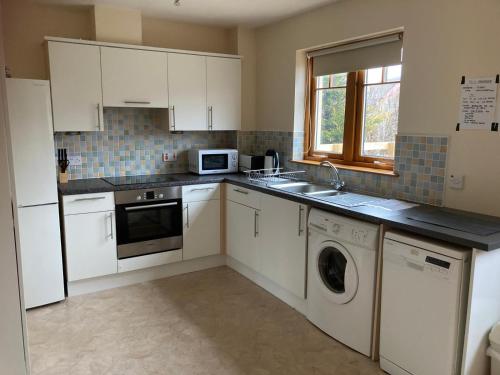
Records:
x=478, y=103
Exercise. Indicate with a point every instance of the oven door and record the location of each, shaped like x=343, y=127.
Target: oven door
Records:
x=148, y=228
x=214, y=162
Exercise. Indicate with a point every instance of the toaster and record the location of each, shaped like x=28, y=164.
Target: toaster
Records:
x=250, y=162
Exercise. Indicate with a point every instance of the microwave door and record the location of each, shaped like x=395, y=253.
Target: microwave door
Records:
x=214, y=162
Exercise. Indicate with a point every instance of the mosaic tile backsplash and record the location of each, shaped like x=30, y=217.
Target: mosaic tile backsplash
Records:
x=420, y=162
x=132, y=143
x=135, y=139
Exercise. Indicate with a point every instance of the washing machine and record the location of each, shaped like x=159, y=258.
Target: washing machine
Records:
x=342, y=255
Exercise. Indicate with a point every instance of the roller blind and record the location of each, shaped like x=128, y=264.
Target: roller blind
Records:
x=365, y=54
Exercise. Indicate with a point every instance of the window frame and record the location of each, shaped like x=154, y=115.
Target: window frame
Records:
x=353, y=125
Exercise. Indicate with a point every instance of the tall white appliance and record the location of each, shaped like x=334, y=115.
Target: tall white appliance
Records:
x=35, y=182
x=424, y=300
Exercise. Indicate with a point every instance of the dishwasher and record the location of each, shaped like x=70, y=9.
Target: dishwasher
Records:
x=424, y=301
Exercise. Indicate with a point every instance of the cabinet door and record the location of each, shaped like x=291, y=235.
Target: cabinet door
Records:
x=242, y=230
x=134, y=78
x=224, y=93
x=282, y=250
x=41, y=255
x=201, y=229
x=90, y=245
x=75, y=78
x=187, y=89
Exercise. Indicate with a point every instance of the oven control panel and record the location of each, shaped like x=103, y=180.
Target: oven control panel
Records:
x=147, y=195
x=150, y=195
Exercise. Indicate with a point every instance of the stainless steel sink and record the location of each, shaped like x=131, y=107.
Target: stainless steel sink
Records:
x=306, y=188
x=326, y=194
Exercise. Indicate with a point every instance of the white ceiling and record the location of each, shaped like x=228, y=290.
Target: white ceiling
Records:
x=214, y=12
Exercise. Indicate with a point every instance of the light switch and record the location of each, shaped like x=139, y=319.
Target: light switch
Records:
x=456, y=181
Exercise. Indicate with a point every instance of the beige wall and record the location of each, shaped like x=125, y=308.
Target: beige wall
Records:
x=12, y=354
x=246, y=46
x=26, y=23
x=116, y=24
x=443, y=40
x=180, y=35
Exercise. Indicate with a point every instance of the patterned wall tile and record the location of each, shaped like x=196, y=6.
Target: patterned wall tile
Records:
x=420, y=162
x=132, y=143
x=135, y=139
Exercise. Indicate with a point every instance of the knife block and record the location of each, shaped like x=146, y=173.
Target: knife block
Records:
x=63, y=177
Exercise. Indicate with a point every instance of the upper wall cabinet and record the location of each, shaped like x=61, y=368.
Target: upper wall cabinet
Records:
x=224, y=93
x=134, y=78
x=201, y=92
x=187, y=89
x=75, y=76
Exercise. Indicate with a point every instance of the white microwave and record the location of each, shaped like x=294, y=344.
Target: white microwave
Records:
x=213, y=161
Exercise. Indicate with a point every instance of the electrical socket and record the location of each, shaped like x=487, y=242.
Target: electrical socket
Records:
x=75, y=160
x=169, y=156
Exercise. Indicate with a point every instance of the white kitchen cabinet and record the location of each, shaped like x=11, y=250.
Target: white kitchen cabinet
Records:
x=90, y=245
x=89, y=235
x=244, y=196
x=242, y=231
x=224, y=93
x=187, y=90
x=201, y=229
x=282, y=247
x=85, y=203
x=201, y=220
x=134, y=78
x=75, y=77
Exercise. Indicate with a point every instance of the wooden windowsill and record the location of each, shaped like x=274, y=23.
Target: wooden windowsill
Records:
x=356, y=168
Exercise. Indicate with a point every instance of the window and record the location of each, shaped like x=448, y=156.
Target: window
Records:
x=352, y=117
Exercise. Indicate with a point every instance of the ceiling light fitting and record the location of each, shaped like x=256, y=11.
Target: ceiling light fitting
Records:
x=177, y=3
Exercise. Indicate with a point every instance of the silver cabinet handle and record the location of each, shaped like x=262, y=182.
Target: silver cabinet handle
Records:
x=300, y=220
x=172, y=119
x=111, y=232
x=133, y=208
x=255, y=223
x=136, y=102
x=173, y=110
x=241, y=191
x=98, y=116
x=88, y=199
x=187, y=216
x=201, y=189
x=210, y=118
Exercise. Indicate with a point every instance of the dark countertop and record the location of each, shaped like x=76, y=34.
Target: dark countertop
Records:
x=98, y=185
x=86, y=186
x=392, y=219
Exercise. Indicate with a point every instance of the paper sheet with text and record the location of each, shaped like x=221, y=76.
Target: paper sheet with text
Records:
x=478, y=101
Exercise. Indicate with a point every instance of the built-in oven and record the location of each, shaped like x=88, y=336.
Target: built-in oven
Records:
x=148, y=221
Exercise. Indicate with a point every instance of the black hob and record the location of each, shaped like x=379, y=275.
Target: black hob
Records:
x=138, y=180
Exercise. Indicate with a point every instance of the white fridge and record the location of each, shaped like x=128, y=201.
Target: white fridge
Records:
x=35, y=185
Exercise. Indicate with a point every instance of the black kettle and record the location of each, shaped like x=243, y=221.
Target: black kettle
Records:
x=272, y=161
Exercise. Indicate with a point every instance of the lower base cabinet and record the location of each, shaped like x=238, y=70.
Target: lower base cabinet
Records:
x=271, y=240
x=242, y=229
x=90, y=245
x=201, y=229
x=282, y=244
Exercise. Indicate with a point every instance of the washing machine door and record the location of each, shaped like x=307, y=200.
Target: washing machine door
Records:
x=337, y=272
